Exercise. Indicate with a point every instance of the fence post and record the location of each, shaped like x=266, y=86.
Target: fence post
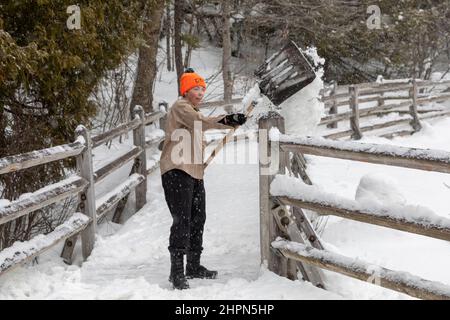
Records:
x=380, y=103
x=415, y=122
x=268, y=156
x=87, y=198
x=333, y=108
x=354, y=119
x=163, y=107
x=141, y=161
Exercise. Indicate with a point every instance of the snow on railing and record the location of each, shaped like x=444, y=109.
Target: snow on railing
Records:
x=21, y=252
x=410, y=218
x=396, y=280
x=31, y=159
x=43, y=197
x=415, y=158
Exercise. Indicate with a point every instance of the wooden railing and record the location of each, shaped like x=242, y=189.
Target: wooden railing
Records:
x=347, y=106
x=289, y=243
x=378, y=93
x=90, y=210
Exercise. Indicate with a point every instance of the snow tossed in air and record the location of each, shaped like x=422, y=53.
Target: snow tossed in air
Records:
x=302, y=112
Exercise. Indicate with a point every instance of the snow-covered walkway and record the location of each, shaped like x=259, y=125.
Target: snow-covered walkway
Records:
x=133, y=262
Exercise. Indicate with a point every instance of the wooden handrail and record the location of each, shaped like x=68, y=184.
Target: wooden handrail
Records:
x=399, y=281
x=411, y=158
x=30, y=159
x=111, y=134
x=426, y=229
x=42, y=198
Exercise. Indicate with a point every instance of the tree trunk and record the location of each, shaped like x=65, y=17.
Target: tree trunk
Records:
x=146, y=70
x=178, y=7
x=226, y=57
x=168, y=27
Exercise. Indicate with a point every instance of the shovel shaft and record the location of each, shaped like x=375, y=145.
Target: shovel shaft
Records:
x=228, y=136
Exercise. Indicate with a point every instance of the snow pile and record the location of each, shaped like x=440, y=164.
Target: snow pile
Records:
x=302, y=112
x=380, y=189
x=295, y=188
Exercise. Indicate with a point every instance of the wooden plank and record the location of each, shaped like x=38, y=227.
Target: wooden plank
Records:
x=399, y=281
x=428, y=83
x=405, y=157
x=30, y=159
x=42, y=198
x=400, y=133
x=108, y=168
x=153, y=141
x=390, y=84
x=113, y=197
x=117, y=131
x=436, y=115
x=368, y=128
x=425, y=229
x=87, y=199
x=153, y=168
x=362, y=112
x=382, y=89
x=303, y=223
x=153, y=117
x=12, y=257
x=336, y=97
x=440, y=97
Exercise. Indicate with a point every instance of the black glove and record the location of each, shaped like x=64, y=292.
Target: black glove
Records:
x=234, y=119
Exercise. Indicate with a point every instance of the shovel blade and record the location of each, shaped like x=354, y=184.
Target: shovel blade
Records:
x=284, y=74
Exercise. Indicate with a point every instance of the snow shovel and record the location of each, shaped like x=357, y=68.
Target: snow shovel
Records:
x=280, y=77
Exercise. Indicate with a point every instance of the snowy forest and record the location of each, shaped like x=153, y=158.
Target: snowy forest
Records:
x=325, y=150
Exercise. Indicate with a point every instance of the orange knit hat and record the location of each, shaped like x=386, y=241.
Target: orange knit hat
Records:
x=189, y=80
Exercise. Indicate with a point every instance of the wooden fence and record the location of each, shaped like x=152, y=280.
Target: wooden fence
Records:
x=350, y=99
x=89, y=210
x=403, y=97
x=300, y=249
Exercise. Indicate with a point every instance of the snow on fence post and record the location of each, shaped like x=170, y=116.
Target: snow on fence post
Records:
x=141, y=160
x=269, y=229
x=415, y=122
x=87, y=198
x=354, y=119
x=333, y=108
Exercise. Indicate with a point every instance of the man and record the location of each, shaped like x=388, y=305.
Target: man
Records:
x=182, y=172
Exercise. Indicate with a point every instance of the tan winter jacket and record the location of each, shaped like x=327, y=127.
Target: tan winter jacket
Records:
x=184, y=146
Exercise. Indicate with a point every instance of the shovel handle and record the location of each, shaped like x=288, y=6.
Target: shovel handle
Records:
x=228, y=136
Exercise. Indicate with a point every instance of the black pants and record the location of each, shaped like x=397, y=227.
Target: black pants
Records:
x=185, y=197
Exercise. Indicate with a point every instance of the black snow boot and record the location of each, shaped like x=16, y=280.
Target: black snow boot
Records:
x=195, y=270
x=177, y=271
